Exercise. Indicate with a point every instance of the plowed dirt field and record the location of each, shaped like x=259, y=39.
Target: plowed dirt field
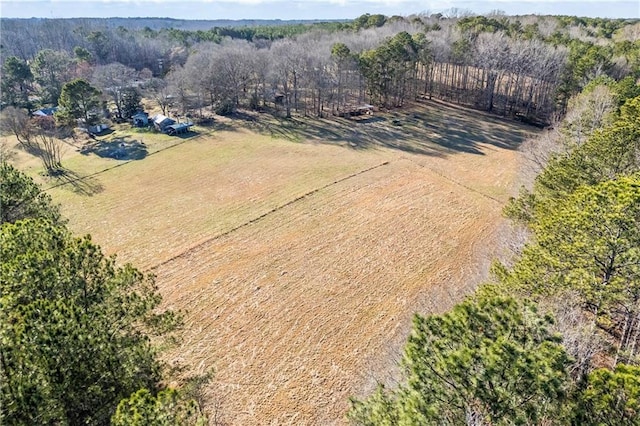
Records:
x=299, y=257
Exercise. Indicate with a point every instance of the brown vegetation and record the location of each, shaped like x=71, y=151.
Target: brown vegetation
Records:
x=299, y=264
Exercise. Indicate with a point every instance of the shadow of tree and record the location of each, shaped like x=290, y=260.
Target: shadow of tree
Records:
x=213, y=124
x=243, y=116
x=429, y=128
x=117, y=148
x=83, y=185
x=32, y=149
x=104, y=132
x=188, y=135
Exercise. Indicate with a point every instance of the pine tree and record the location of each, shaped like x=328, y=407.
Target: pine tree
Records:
x=491, y=359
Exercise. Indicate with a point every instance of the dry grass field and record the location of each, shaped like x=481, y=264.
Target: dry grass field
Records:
x=300, y=250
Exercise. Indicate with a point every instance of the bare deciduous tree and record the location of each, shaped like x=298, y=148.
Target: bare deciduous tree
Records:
x=157, y=89
x=180, y=88
x=581, y=338
x=17, y=122
x=52, y=69
x=114, y=79
x=37, y=136
x=587, y=112
x=47, y=144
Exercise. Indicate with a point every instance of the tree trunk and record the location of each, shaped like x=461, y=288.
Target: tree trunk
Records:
x=490, y=90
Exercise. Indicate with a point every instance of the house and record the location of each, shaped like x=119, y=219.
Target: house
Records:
x=140, y=119
x=162, y=122
x=176, y=129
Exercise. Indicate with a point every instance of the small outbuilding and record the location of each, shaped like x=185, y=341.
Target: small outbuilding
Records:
x=365, y=109
x=98, y=128
x=354, y=111
x=162, y=122
x=45, y=112
x=179, y=128
x=140, y=119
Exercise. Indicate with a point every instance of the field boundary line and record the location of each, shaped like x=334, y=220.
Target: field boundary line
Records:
x=99, y=172
x=267, y=213
x=445, y=177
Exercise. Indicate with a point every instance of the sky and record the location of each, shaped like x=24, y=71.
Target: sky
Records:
x=305, y=9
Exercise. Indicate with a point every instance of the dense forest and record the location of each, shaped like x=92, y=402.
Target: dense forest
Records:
x=552, y=339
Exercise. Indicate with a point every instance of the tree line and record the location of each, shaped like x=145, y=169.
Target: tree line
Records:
x=554, y=338
x=526, y=67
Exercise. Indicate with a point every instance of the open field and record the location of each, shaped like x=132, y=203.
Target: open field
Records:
x=300, y=250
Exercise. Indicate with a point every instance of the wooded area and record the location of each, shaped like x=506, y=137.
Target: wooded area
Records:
x=525, y=67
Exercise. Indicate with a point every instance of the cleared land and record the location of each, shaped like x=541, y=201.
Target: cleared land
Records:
x=300, y=250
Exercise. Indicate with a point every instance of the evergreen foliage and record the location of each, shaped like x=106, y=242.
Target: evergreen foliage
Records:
x=611, y=397
x=609, y=151
x=589, y=245
x=167, y=408
x=74, y=326
x=490, y=358
x=78, y=100
x=15, y=85
x=51, y=68
x=388, y=68
x=131, y=102
x=21, y=198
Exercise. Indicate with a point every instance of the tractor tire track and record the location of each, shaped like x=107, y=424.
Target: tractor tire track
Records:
x=265, y=214
x=455, y=182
